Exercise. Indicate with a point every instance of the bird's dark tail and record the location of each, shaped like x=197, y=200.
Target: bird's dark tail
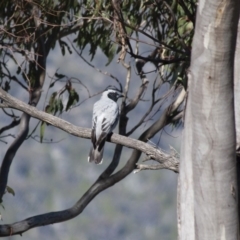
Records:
x=96, y=154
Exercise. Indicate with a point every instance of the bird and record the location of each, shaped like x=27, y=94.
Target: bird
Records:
x=104, y=120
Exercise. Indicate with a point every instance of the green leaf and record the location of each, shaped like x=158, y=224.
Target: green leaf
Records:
x=42, y=129
x=10, y=190
x=55, y=108
x=111, y=54
x=52, y=84
x=59, y=106
x=59, y=75
x=18, y=70
x=72, y=99
x=50, y=108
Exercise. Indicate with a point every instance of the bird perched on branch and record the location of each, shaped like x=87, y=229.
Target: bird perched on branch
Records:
x=104, y=120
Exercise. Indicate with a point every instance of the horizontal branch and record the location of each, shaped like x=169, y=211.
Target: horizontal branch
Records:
x=159, y=60
x=102, y=183
x=141, y=167
x=15, y=103
x=171, y=162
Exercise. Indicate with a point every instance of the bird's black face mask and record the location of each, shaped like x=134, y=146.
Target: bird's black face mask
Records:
x=114, y=96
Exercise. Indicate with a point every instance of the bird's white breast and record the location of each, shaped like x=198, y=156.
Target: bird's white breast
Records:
x=105, y=109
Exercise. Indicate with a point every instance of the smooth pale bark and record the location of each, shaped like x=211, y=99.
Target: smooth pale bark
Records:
x=237, y=106
x=207, y=181
x=237, y=86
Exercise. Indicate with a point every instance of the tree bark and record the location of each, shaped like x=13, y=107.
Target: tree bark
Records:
x=237, y=86
x=207, y=180
x=237, y=106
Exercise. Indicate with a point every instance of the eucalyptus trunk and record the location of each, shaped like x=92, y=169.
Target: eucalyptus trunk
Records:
x=207, y=180
x=237, y=106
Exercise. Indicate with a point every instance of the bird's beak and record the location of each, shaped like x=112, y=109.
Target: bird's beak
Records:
x=120, y=95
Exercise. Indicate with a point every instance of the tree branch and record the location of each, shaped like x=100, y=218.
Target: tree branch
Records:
x=133, y=103
x=15, y=103
x=173, y=167
x=14, y=123
x=102, y=183
x=35, y=88
x=170, y=162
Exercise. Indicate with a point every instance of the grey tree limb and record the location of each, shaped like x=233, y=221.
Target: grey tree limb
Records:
x=35, y=89
x=101, y=184
x=15, y=103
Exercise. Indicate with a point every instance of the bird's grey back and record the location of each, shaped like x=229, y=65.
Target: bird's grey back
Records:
x=108, y=109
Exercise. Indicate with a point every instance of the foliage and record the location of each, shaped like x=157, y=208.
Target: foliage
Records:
x=164, y=28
